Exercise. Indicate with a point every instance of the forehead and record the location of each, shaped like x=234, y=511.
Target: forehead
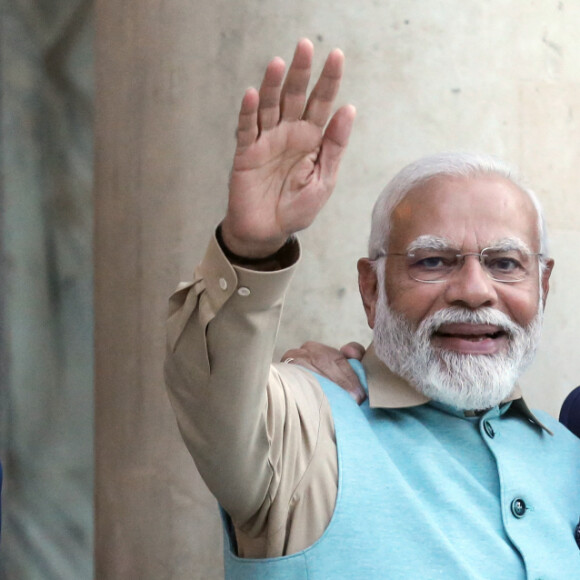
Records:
x=471, y=212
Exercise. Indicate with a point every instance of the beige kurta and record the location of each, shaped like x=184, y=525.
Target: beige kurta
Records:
x=261, y=435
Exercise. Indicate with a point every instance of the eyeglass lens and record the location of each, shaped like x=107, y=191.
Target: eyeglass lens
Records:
x=429, y=265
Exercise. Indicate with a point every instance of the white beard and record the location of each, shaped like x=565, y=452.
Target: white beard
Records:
x=464, y=381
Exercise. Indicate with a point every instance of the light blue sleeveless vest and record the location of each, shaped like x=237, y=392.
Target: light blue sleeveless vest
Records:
x=424, y=493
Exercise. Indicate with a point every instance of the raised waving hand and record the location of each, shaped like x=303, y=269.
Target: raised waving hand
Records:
x=288, y=152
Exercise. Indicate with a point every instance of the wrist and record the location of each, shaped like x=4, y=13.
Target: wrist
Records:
x=247, y=248
x=281, y=257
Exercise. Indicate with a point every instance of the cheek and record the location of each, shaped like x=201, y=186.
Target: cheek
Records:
x=418, y=301
x=521, y=306
x=414, y=301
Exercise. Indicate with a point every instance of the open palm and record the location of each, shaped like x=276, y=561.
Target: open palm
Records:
x=287, y=154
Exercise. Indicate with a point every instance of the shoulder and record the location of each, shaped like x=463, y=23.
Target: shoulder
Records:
x=570, y=412
x=296, y=384
x=563, y=435
x=298, y=409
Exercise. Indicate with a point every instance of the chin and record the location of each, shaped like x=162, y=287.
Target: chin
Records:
x=467, y=381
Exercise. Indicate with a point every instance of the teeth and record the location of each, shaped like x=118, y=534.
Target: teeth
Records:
x=472, y=337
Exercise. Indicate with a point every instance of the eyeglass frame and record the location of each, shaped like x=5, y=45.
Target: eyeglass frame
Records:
x=461, y=261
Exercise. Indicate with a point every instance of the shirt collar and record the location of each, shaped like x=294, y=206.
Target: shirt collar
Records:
x=390, y=391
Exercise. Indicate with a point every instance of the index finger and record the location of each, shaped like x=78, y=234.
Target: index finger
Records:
x=321, y=99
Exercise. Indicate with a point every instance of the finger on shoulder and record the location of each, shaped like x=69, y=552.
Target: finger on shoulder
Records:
x=353, y=350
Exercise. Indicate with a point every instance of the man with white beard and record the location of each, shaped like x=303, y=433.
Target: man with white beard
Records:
x=443, y=472
x=464, y=380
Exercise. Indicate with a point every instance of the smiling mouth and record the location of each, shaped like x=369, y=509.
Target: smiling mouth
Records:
x=470, y=338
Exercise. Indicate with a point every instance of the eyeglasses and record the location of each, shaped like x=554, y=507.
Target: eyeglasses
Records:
x=438, y=265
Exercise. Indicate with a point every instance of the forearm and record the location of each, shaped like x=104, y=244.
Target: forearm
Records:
x=221, y=337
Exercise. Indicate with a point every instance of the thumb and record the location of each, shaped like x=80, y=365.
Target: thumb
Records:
x=335, y=140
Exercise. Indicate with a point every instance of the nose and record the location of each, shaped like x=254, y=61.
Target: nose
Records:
x=470, y=286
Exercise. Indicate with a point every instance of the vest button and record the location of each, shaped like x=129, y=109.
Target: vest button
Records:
x=518, y=507
x=488, y=428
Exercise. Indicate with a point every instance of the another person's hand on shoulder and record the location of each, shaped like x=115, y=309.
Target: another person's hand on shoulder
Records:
x=287, y=156
x=331, y=363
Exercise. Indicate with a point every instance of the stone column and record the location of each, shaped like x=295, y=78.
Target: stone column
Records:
x=154, y=518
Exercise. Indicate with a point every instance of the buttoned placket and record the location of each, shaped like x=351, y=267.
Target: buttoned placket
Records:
x=517, y=509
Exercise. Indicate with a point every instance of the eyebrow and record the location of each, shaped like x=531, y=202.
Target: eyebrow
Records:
x=507, y=244
x=431, y=242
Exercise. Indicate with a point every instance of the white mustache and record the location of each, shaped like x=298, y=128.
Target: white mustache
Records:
x=457, y=314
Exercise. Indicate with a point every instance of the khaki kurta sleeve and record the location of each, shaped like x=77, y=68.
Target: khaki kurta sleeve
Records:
x=253, y=429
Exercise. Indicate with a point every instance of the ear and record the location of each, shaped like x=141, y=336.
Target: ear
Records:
x=547, y=272
x=368, y=287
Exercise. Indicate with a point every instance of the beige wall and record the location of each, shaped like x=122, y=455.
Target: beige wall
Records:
x=496, y=76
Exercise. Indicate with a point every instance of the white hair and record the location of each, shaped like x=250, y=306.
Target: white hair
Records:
x=443, y=164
